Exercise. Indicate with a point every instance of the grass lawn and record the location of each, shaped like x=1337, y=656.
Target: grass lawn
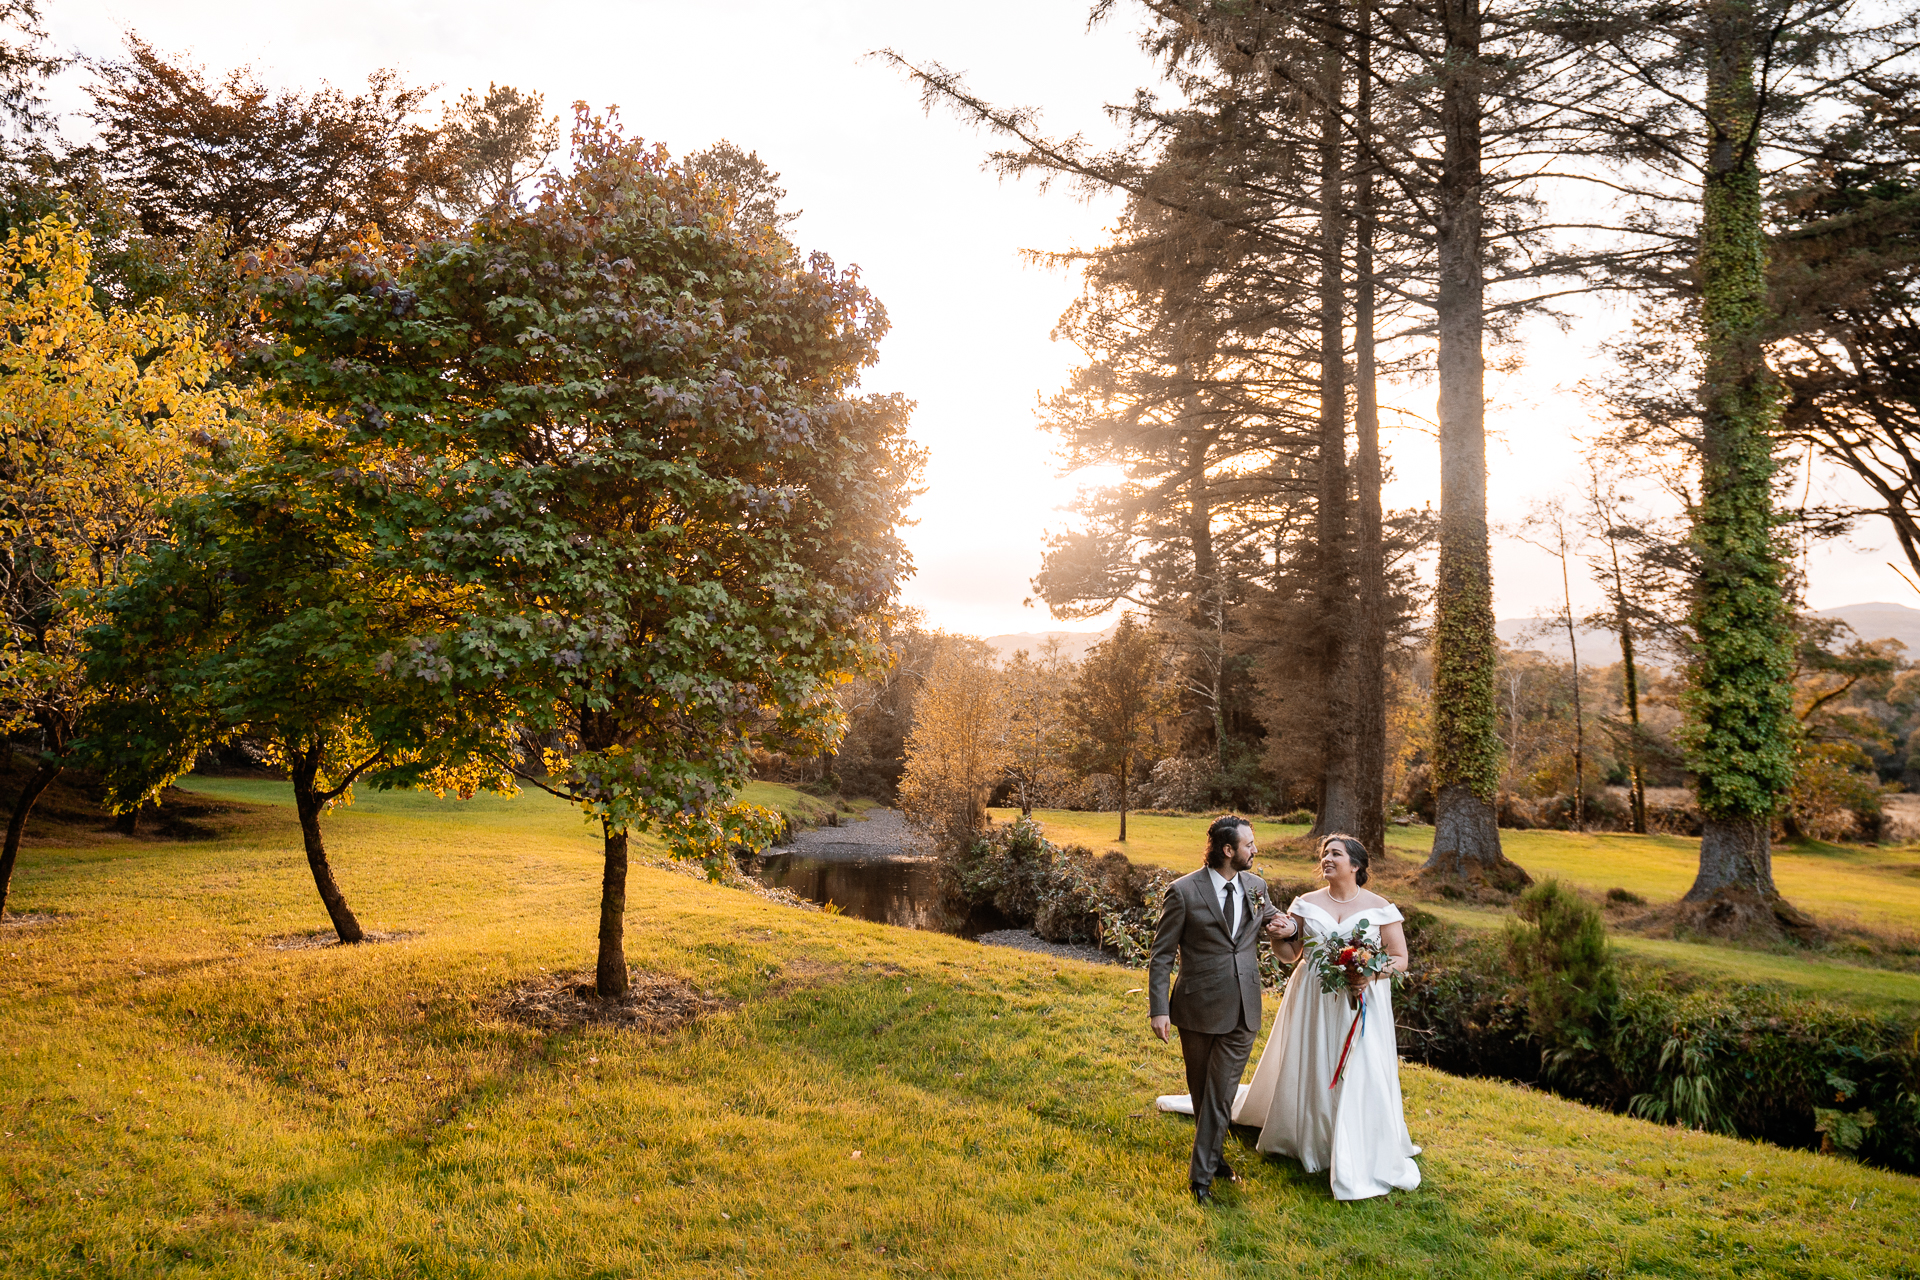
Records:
x=1876, y=886
x=179, y=1097
x=1879, y=887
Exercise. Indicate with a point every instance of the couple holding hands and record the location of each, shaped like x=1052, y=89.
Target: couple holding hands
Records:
x=1327, y=1090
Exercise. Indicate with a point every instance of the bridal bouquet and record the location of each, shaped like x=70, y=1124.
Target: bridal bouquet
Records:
x=1342, y=957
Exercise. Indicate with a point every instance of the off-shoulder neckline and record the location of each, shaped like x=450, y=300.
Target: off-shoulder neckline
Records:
x=1340, y=921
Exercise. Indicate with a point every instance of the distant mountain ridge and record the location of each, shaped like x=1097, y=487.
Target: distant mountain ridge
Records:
x=1073, y=644
x=1875, y=620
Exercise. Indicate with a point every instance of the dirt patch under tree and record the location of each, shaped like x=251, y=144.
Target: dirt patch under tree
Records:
x=655, y=1003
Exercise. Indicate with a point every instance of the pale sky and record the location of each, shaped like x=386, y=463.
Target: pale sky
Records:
x=903, y=196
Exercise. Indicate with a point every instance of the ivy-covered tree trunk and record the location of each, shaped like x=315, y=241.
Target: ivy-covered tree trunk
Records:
x=1339, y=802
x=310, y=803
x=1465, y=748
x=610, y=971
x=1738, y=700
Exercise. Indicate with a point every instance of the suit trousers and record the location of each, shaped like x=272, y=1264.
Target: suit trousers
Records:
x=1214, y=1066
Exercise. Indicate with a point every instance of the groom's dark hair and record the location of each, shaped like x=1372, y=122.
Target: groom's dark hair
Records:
x=1223, y=835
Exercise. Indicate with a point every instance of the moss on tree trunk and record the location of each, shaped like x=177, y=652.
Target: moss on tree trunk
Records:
x=1738, y=735
x=1465, y=745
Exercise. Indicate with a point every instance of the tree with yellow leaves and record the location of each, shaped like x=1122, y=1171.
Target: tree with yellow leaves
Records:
x=958, y=747
x=1038, y=741
x=105, y=418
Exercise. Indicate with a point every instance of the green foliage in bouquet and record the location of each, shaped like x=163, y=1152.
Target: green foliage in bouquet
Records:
x=1338, y=957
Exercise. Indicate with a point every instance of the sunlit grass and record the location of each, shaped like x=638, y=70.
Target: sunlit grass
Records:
x=1841, y=885
x=1156, y=840
x=179, y=1098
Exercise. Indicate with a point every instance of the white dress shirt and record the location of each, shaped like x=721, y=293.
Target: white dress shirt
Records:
x=1228, y=908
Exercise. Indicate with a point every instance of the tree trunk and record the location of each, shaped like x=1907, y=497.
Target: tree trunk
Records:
x=1623, y=620
x=308, y=804
x=1735, y=854
x=1739, y=697
x=1370, y=629
x=1579, y=719
x=1636, y=774
x=610, y=973
x=1210, y=603
x=1465, y=743
x=33, y=789
x=1339, y=802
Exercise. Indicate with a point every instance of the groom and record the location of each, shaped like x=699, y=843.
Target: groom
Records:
x=1213, y=920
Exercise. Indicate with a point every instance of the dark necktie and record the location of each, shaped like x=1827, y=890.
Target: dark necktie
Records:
x=1233, y=921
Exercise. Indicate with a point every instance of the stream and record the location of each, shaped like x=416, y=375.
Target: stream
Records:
x=881, y=869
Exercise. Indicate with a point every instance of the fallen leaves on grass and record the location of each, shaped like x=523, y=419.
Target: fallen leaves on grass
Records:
x=655, y=1003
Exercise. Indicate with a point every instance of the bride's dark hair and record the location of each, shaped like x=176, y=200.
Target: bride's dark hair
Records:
x=1355, y=851
x=1222, y=835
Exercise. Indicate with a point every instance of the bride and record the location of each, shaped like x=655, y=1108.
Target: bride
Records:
x=1357, y=1126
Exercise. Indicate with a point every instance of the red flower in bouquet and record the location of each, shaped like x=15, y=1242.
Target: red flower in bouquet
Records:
x=1351, y=960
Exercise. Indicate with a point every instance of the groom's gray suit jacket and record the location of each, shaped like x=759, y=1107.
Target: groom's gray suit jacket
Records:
x=1219, y=975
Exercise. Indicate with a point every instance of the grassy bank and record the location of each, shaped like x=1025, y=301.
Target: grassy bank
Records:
x=1872, y=885
x=1875, y=887
x=181, y=1097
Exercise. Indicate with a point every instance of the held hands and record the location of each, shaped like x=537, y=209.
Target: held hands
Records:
x=1282, y=929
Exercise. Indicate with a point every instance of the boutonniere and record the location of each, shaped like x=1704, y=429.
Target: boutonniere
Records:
x=1257, y=898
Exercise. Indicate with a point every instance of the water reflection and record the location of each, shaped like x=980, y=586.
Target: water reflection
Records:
x=902, y=891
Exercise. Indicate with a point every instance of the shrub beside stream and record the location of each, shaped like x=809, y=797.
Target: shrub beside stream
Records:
x=1546, y=1004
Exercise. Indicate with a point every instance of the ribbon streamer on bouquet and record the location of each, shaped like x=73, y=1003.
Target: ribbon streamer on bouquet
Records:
x=1359, y=1024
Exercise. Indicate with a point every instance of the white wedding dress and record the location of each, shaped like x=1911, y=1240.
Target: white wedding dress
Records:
x=1357, y=1128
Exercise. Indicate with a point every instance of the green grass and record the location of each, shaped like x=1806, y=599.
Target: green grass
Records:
x=531, y=810
x=1829, y=979
x=179, y=1098
x=1841, y=884
x=1152, y=839
x=1877, y=887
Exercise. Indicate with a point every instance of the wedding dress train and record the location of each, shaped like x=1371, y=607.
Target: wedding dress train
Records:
x=1358, y=1127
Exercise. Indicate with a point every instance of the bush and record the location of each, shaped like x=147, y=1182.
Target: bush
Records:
x=1732, y=1058
x=1558, y=949
x=1178, y=785
x=1836, y=793
x=1064, y=895
x=1299, y=817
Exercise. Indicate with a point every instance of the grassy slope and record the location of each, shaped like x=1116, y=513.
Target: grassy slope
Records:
x=1876, y=886
x=178, y=1098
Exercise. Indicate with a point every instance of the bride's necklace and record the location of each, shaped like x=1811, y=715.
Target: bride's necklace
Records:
x=1343, y=901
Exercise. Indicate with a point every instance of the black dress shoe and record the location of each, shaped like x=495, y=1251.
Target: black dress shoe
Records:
x=1203, y=1195
x=1225, y=1170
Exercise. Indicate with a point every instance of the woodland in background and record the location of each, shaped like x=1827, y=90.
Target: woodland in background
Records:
x=1321, y=199
x=1857, y=704
x=1326, y=197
